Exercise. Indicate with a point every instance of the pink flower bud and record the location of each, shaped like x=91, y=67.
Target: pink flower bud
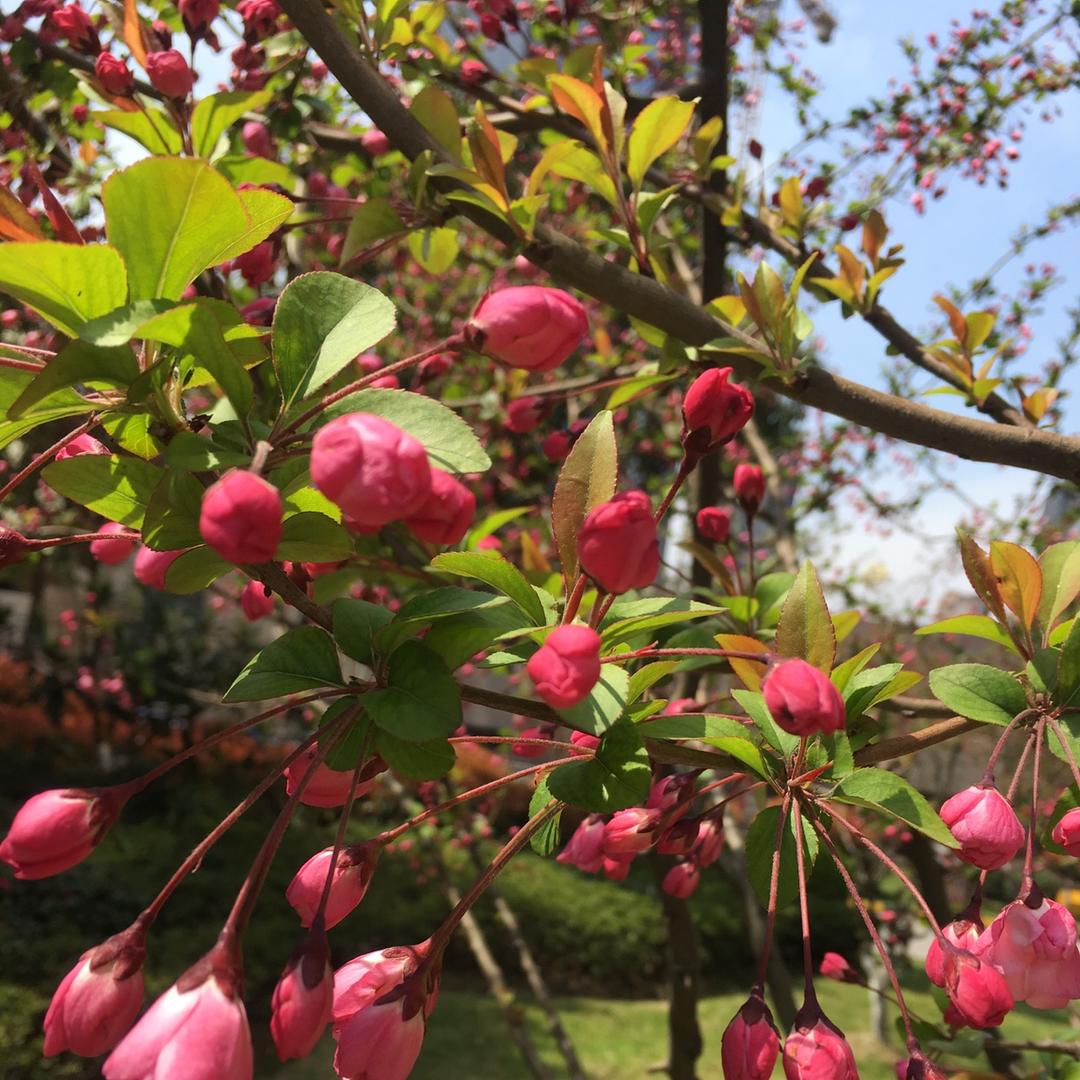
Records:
x=682, y=880
x=436, y=365
x=714, y=523
x=617, y=543
x=446, y=514
x=353, y=872
x=375, y=142
x=328, y=787
x=977, y=990
x=985, y=825
x=816, y=1049
x=76, y=26
x=256, y=601
x=371, y=469
x=749, y=484
x=710, y=841
x=114, y=552
x=113, y=74
x=196, y=1030
x=963, y=933
x=241, y=517
x=556, y=446
x=257, y=265
x=473, y=72
x=198, y=15
x=617, y=869
x=524, y=414
x=630, y=832
x=680, y=838
x=834, y=966
x=584, y=740
x=567, y=666
x=714, y=411
x=802, y=699
x=152, y=566
x=1067, y=832
x=55, y=830
x=528, y=326
x=97, y=1002
x=524, y=747
x=751, y=1043
x=260, y=18
x=1033, y=943
x=303, y=999
x=168, y=72
x=586, y=847
x=377, y=1033
x=257, y=139
x=14, y=547
x=84, y=444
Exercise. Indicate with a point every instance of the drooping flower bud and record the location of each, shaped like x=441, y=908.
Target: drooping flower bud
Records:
x=680, y=838
x=682, y=880
x=524, y=414
x=985, y=825
x=83, y=444
x=197, y=16
x=113, y=74
x=630, y=832
x=834, y=966
x=256, y=601
x=710, y=841
x=714, y=411
x=328, y=787
x=110, y=552
x=617, y=543
x=714, y=523
x=816, y=1049
x=303, y=1000
x=375, y=142
x=919, y=1067
x=241, y=517
x=751, y=1043
x=196, y=1030
x=370, y=468
x=1067, y=832
x=55, y=830
x=152, y=566
x=77, y=26
x=98, y=1000
x=963, y=932
x=567, y=666
x=528, y=326
x=353, y=872
x=257, y=139
x=749, y=484
x=977, y=990
x=586, y=847
x=802, y=700
x=14, y=547
x=168, y=72
x=446, y=514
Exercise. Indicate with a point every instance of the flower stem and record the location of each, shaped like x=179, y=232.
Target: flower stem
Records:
x=804, y=909
x=774, y=885
x=988, y=776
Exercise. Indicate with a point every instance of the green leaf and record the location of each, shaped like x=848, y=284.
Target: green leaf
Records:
x=152, y=127
x=416, y=760
x=492, y=523
x=171, y=218
x=671, y=611
x=321, y=322
x=198, y=453
x=56, y=406
x=301, y=659
x=265, y=211
x=77, y=362
x=805, y=629
x=450, y=443
x=760, y=846
x=586, y=479
x=648, y=676
x=119, y=326
x=980, y=626
x=862, y=689
x=344, y=753
x=195, y=570
x=843, y=673
x=355, y=624
x=373, y=221
x=1068, y=670
x=883, y=790
x=979, y=692
x=435, y=249
x=66, y=284
x=1060, y=565
x=422, y=702
x=215, y=114
x=616, y=778
x=492, y=569
x=198, y=329
x=244, y=169
x=723, y=732
x=601, y=710
x=117, y=488
x=754, y=704
x=134, y=433
x=313, y=537
x=660, y=125
x=435, y=109
x=545, y=841
x=172, y=516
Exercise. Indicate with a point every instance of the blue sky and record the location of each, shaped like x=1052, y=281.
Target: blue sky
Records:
x=958, y=238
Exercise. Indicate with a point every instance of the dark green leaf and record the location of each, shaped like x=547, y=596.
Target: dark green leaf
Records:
x=301, y=659
x=313, y=537
x=422, y=701
x=723, y=732
x=776, y=737
x=416, y=760
x=1068, y=671
x=604, y=705
x=883, y=790
x=117, y=488
x=979, y=692
x=805, y=629
x=172, y=515
x=616, y=778
x=195, y=570
x=545, y=841
x=77, y=363
x=760, y=846
x=492, y=569
x=355, y=623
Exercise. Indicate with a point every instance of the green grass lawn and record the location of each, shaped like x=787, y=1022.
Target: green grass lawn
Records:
x=621, y=1040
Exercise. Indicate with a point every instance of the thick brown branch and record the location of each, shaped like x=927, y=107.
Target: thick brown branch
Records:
x=904, y=745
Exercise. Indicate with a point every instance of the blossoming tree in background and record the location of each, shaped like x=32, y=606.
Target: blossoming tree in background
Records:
x=419, y=336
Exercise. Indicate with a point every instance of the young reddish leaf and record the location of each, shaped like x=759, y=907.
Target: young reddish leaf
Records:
x=981, y=575
x=956, y=320
x=582, y=102
x=1038, y=401
x=133, y=32
x=748, y=671
x=805, y=629
x=1019, y=579
x=873, y=236
x=853, y=271
x=587, y=478
x=16, y=222
x=61, y=220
